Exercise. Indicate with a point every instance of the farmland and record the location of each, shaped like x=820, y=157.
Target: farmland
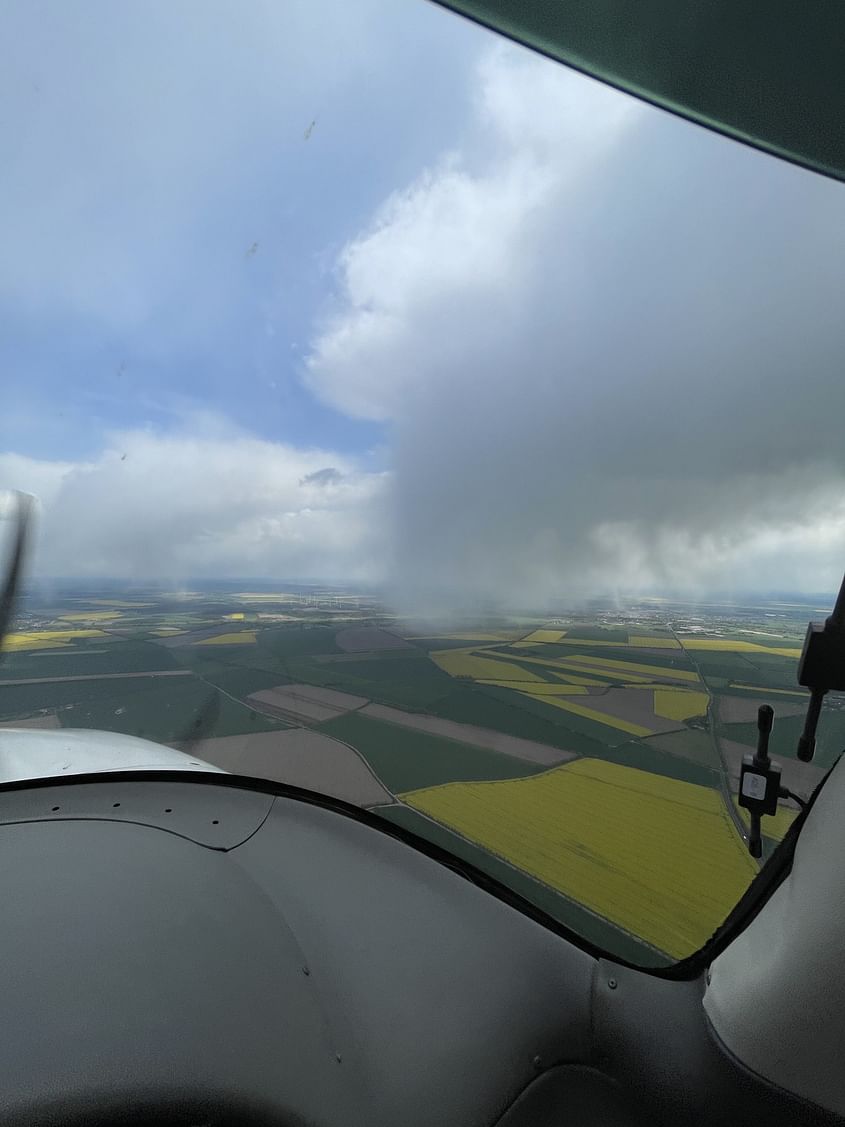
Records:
x=23, y=641
x=407, y=759
x=658, y=857
x=589, y=760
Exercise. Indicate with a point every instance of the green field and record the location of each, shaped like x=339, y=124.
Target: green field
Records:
x=783, y=742
x=694, y=746
x=170, y=710
x=19, y=701
x=716, y=674
x=481, y=706
x=777, y=672
x=98, y=655
x=413, y=683
x=754, y=668
x=597, y=633
x=262, y=662
x=643, y=755
x=405, y=759
x=239, y=680
x=298, y=641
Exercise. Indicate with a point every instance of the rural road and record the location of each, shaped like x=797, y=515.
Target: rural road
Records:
x=724, y=774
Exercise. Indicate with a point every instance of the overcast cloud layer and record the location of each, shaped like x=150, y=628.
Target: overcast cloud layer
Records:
x=574, y=346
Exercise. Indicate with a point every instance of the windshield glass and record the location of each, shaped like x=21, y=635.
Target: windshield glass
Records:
x=421, y=423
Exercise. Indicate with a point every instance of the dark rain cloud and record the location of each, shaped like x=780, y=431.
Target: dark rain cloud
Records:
x=650, y=395
x=326, y=476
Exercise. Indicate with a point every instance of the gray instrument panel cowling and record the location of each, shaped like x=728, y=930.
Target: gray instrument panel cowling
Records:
x=319, y=971
x=198, y=952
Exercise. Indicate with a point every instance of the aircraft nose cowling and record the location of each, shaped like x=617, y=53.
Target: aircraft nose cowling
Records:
x=32, y=753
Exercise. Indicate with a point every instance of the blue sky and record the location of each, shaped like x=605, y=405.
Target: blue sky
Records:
x=545, y=338
x=197, y=257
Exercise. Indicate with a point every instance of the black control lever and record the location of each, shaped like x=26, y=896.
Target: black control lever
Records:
x=759, y=780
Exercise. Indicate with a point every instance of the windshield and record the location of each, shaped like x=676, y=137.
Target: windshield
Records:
x=418, y=422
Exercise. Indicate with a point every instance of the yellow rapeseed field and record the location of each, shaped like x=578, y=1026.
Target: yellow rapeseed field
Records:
x=558, y=666
x=680, y=704
x=242, y=637
x=659, y=857
x=727, y=645
x=634, y=667
x=46, y=639
x=600, y=717
x=544, y=636
x=468, y=663
x=238, y=616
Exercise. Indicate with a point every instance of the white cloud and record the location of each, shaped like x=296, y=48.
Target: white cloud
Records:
x=609, y=347
x=142, y=143
x=460, y=234
x=204, y=502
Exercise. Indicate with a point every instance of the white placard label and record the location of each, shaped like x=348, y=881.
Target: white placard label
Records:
x=753, y=786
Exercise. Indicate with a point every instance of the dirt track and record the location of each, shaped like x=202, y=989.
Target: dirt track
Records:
x=469, y=734
x=99, y=677
x=305, y=702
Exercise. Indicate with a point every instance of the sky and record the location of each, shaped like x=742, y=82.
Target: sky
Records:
x=358, y=291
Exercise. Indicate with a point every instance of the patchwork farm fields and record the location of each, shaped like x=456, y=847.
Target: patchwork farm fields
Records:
x=587, y=760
